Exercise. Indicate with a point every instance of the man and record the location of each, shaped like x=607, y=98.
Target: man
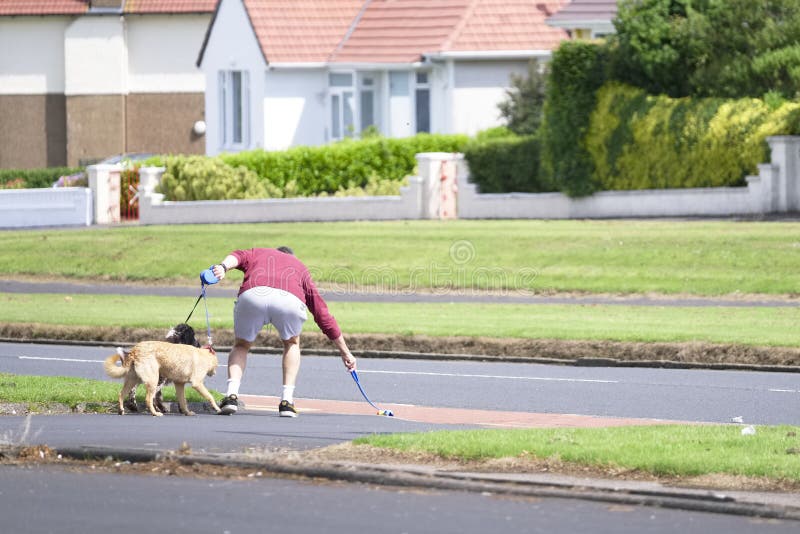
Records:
x=277, y=289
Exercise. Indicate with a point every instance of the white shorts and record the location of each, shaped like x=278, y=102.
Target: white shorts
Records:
x=260, y=306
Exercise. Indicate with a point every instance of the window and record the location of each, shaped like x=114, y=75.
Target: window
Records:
x=234, y=108
x=367, y=102
x=422, y=103
x=342, y=105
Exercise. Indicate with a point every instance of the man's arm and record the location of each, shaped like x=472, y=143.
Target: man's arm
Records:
x=230, y=262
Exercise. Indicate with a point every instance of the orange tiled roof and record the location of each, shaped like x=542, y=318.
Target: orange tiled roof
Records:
x=43, y=7
x=78, y=7
x=507, y=25
x=301, y=30
x=398, y=31
x=170, y=6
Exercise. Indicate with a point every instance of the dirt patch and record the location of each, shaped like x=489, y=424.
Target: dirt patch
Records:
x=406, y=346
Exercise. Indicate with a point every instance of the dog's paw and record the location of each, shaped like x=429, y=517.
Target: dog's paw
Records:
x=188, y=412
x=157, y=414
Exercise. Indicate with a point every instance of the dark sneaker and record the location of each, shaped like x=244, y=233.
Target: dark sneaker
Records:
x=229, y=405
x=286, y=409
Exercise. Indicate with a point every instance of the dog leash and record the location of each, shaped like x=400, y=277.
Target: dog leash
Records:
x=206, y=278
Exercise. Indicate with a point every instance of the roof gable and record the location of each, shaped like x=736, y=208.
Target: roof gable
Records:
x=584, y=11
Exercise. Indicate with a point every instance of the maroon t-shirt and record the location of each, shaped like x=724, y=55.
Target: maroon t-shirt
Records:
x=269, y=267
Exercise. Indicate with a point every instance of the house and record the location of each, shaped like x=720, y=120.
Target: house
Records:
x=308, y=72
x=586, y=19
x=81, y=80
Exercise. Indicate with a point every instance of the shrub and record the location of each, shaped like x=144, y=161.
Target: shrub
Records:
x=205, y=178
x=34, y=178
x=638, y=141
x=506, y=165
x=577, y=70
x=308, y=171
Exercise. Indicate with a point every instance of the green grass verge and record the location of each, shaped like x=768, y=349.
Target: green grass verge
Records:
x=753, y=326
x=697, y=257
x=660, y=450
x=72, y=391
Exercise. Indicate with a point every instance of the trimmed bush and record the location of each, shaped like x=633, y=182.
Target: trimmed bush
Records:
x=577, y=70
x=204, y=178
x=34, y=178
x=308, y=171
x=638, y=141
x=506, y=165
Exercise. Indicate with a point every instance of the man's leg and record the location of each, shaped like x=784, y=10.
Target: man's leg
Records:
x=291, y=365
x=237, y=361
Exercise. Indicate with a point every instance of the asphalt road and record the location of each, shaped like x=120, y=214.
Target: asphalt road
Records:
x=672, y=394
x=50, y=500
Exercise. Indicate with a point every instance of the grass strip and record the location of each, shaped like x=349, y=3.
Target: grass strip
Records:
x=73, y=391
x=762, y=326
x=694, y=257
x=669, y=450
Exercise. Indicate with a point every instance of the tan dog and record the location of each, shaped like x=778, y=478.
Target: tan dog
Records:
x=150, y=359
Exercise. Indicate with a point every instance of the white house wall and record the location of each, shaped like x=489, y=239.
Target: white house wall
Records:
x=232, y=45
x=95, y=57
x=162, y=54
x=295, y=110
x=478, y=88
x=40, y=69
x=401, y=111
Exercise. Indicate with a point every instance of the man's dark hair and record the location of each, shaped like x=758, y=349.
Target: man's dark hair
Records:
x=286, y=250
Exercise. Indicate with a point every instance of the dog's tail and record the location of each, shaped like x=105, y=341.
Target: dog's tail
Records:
x=111, y=367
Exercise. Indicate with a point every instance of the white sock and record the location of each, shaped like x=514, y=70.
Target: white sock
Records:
x=233, y=386
x=288, y=394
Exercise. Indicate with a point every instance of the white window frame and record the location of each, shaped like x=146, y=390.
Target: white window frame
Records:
x=422, y=86
x=371, y=88
x=226, y=107
x=337, y=93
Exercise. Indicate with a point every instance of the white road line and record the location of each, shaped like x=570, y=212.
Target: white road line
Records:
x=784, y=391
x=58, y=359
x=460, y=375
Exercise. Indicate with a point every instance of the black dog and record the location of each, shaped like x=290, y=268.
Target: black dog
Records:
x=182, y=334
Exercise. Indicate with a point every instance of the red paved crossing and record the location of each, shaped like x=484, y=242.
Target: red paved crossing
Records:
x=453, y=416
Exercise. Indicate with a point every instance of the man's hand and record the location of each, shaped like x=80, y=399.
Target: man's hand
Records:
x=349, y=360
x=219, y=271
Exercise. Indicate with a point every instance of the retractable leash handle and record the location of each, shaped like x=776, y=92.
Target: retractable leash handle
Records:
x=208, y=277
x=387, y=413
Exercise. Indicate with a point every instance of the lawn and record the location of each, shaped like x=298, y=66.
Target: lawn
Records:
x=745, y=325
x=692, y=257
x=662, y=450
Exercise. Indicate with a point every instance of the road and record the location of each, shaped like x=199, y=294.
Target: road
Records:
x=44, y=499
x=39, y=500
x=672, y=394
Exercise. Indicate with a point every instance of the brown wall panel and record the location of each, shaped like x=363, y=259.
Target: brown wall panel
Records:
x=32, y=131
x=162, y=123
x=95, y=127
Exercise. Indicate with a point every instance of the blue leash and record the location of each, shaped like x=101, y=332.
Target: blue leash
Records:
x=206, y=279
x=380, y=412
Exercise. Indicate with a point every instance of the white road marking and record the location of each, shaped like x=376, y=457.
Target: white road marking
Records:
x=58, y=359
x=784, y=391
x=461, y=375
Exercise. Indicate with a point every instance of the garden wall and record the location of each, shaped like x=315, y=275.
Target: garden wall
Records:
x=64, y=206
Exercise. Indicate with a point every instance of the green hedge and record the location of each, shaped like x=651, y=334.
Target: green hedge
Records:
x=638, y=141
x=34, y=178
x=577, y=70
x=507, y=164
x=307, y=171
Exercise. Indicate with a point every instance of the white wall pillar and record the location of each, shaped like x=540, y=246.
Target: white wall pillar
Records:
x=104, y=181
x=786, y=157
x=439, y=172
